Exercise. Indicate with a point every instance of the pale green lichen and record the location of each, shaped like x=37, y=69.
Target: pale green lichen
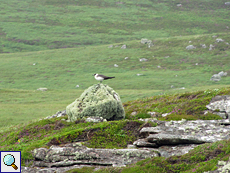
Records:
x=98, y=100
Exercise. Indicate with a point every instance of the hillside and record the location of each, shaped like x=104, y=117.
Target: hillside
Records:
x=34, y=25
x=170, y=68
x=117, y=134
x=162, y=53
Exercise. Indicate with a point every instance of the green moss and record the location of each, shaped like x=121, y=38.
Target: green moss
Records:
x=116, y=134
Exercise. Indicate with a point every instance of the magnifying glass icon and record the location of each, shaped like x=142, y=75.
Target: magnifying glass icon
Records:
x=9, y=160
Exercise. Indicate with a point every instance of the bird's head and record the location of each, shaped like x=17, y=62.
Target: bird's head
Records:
x=95, y=74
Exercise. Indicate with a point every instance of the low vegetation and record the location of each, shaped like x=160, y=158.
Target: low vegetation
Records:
x=59, y=44
x=118, y=134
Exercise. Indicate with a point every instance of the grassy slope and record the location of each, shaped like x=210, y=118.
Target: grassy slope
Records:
x=61, y=70
x=33, y=25
x=29, y=26
x=118, y=134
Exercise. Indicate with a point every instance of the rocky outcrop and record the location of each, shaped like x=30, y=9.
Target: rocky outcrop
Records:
x=76, y=154
x=166, y=139
x=98, y=100
x=183, y=135
x=58, y=114
x=220, y=105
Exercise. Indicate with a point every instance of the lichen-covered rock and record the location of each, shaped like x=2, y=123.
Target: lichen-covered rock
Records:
x=220, y=103
x=70, y=154
x=98, y=100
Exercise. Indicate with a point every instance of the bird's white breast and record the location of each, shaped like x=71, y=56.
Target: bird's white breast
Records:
x=99, y=78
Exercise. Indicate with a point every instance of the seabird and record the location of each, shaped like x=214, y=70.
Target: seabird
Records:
x=101, y=77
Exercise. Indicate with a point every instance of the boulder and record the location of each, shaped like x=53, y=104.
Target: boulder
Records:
x=189, y=47
x=123, y=46
x=146, y=41
x=220, y=105
x=215, y=78
x=98, y=100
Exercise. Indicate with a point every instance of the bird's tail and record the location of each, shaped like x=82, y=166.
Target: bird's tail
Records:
x=110, y=77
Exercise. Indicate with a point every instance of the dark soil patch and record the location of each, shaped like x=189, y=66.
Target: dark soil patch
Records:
x=53, y=141
x=77, y=137
x=79, y=121
x=208, y=156
x=36, y=129
x=132, y=128
x=187, y=96
x=86, y=135
x=58, y=125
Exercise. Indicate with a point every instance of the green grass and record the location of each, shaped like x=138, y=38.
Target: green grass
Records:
x=61, y=70
x=68, y=42
x=45, y=133
x=118, y=134
x=41, y=24
x=201, y=159
x=188, y=105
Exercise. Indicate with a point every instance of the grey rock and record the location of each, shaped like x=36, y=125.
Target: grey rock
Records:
x=94, y=119
x=143, y=60
x=144, y=143
x=216, y=78
x=58, y=114
x=170, y=139
x=42, y=89
x=223, y=167
x=221, y=103
x=98, y=100
x=184, y=135
x=123, y=47
x=189, y=47
x=222, y=73
x=134, y=113
x=167, y=139
x=69, y=155
x=227, y=3
x=151, y=130
x=219, y=40
x=146, y=41
x=211, y=47
x=203, y=46
x=165, y=114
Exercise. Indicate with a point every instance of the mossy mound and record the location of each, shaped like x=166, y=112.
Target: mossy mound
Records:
x=98, y=100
